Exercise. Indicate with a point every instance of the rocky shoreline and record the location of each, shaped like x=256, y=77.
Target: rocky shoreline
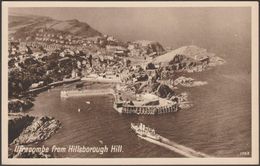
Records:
x=188, y=82
x=19, y=105
x=28, y=130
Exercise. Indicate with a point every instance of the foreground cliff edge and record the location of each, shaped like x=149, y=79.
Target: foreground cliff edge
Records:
x=27, y=131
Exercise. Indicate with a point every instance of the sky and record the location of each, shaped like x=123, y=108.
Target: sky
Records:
x=220, y=29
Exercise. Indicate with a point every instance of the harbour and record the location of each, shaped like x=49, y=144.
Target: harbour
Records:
x=96, y=120
x=120, y=106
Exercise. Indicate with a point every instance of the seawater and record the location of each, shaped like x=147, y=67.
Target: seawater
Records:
x=218, y=124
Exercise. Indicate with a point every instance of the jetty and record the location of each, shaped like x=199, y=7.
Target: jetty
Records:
x=65, y=81
x=109, y=79
x=146, y=110
x=122, y=107
x=146, y=104
x=86, y=92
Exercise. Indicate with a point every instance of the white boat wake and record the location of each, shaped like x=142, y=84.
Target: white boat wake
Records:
x=173, y=146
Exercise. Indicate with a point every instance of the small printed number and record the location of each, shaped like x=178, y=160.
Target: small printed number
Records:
x=244, y=153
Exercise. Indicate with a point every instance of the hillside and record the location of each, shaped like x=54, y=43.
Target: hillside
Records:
x=145, y=47
x=193, y=52
x=23, y=26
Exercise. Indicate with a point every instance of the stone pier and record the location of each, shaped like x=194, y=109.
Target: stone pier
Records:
x=149, y=110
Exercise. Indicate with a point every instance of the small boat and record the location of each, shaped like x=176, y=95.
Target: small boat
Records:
x=87, y=102
x=100, y=141
x=78, y=110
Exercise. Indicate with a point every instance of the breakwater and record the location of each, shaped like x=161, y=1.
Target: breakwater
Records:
x=147, y=110
x=102, y=80
x=86, y=92
x=66, y=81
x=121, y=106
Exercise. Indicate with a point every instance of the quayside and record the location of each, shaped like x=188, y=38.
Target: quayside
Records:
x=86, y=92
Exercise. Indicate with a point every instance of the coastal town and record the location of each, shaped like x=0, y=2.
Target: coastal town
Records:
x=144, y=76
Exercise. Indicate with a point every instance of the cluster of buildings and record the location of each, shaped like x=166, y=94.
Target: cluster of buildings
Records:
x=62, y=39
x=104, y=56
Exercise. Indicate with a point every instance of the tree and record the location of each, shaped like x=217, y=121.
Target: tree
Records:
x=150, y=66
x=29, y=50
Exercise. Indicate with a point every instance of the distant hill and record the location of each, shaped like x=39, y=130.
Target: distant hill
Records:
x=23, y=26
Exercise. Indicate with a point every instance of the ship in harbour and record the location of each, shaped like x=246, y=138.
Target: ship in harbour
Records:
x=144, y=131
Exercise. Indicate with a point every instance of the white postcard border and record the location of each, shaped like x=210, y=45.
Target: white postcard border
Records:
x=115, y=161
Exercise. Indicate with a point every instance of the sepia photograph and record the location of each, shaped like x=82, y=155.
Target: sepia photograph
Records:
x=130, y=83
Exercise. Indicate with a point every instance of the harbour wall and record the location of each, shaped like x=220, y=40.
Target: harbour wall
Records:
x=87, y=92
x=125, y=108
x=41, y=89
x=102, y=80
x=149, y=110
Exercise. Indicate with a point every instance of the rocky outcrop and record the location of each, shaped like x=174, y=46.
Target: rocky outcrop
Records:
x=182, y=100
x=40, y=129
x=192, y=52
x=16, y=124
x=164, y=91
x=215, y=61
x=189, y=58
x=188, y=82
x=161, y=90
x=19, y=105
x=27, y=130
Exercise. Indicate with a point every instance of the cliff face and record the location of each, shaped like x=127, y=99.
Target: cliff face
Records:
x=164, y=91
x=27, y=130
x=189, y=58
x=161, y=90
x=16, y=124
x=40, y=129
x=192, y=52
